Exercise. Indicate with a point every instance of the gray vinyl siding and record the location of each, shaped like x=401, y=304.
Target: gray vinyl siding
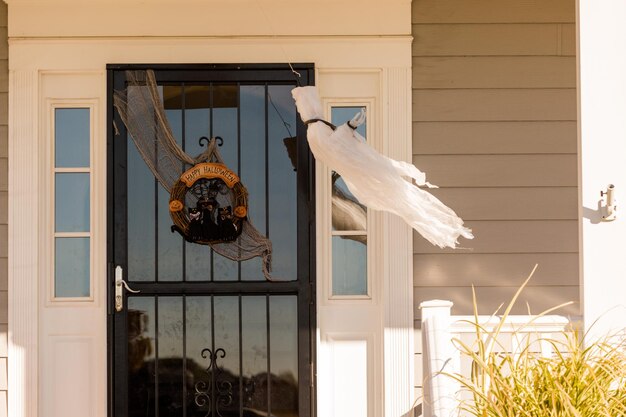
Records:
x=494, y=125
x=4, y=178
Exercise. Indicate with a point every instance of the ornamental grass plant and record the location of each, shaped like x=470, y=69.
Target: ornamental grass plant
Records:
x=579, y=379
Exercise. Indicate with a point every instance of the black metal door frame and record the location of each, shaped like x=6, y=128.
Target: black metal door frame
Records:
x=304, y=286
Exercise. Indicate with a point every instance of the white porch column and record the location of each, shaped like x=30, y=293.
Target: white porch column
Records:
x=398, y=319
x=23, y=234
x=602, y=160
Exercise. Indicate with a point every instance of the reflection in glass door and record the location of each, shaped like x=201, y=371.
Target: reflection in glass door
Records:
x=207, y=336
x=213, y=355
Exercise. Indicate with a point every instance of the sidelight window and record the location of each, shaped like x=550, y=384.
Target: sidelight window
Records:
x=349, y=226
x=72, y=202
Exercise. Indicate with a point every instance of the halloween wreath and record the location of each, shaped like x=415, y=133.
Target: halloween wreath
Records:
x=208, y=203
x=221, y=204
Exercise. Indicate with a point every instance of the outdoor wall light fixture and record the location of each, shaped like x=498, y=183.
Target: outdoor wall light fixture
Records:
x=609, y=203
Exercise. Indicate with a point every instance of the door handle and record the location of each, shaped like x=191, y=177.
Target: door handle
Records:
x=120, y=284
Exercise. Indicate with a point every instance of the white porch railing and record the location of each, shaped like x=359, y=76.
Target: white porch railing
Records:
x=439, y=354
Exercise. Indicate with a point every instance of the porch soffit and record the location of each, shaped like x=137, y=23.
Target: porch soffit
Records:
x=210, y=18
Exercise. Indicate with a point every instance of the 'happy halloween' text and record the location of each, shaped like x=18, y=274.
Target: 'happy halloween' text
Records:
x=209, y=170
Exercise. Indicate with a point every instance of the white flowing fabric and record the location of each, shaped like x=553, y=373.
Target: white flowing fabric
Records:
x=379, y=182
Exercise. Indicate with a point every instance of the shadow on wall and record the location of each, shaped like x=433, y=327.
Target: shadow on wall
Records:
x=594, y=216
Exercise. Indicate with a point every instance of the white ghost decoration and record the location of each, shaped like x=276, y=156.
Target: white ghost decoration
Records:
x=378, y=182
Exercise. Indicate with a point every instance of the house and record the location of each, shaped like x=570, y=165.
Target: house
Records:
x=514, y=108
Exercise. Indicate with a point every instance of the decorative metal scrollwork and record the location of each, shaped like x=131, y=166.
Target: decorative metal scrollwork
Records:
x=216, y=393
x=205, y=140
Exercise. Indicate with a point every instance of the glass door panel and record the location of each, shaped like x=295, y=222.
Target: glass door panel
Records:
x=257, y=123
x=208, y=355
x=207, y=336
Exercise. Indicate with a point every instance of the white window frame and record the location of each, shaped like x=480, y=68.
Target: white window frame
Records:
x=369, y=105
x=50, y=233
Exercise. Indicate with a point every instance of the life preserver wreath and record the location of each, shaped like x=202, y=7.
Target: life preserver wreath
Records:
x=208, y=204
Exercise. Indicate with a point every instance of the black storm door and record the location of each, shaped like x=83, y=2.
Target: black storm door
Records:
x=205, y=335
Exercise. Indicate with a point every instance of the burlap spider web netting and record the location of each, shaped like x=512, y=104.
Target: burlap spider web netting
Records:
x=142, y=112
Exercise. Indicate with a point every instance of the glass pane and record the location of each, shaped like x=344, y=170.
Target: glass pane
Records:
x=170, y=356
x=254, y=351
x=341, y=115
x=284, y=355
x=141, y=349
x=197, y=124
x=71, y=267
x=347, y=212
x=141, y=218
x=199, y=337
x=224, y=269
x=197, y=262
x=197, y=117
x=225, y=107
x=225, y=103
x=226, y=378
x=252, y=114
x=170, y=245
x=350, y=265
x=171, y=96
x=160, y=376
x=71, y=202
x=71, y=138
x=282, y=183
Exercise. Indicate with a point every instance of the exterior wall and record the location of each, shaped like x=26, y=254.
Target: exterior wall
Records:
x=494, y=125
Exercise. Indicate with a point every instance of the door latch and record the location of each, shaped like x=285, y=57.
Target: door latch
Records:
x=120, y=284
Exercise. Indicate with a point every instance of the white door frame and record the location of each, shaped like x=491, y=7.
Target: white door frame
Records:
x=36, y=64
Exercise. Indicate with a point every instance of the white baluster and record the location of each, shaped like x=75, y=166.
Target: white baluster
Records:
x=439, y=390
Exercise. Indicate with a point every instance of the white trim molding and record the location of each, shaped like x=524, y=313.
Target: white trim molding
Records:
x=398, y=256
x=326, y=177
x=371, y=70
x=387, y=317
x=23, y=248
x=346, y=323
x=47, y=229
